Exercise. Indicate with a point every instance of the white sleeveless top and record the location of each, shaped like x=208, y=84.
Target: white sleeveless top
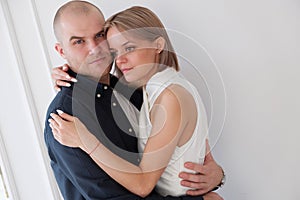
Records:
x=193, y=150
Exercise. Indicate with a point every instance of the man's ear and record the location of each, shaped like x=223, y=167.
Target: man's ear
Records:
x=160, y=44
x=60, y=50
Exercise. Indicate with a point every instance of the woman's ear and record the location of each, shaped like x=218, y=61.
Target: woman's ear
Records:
x=160, y=44
x=59, y=49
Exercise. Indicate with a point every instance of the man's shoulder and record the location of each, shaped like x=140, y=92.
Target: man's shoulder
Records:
x=62, y=100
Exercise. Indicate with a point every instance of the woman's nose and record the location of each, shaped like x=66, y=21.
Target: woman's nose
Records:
x=120, y=59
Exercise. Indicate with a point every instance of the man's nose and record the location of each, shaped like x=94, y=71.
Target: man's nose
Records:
x=94, y=48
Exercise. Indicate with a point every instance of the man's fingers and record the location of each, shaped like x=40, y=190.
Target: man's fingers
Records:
x=195, y=167
x=196, y=192
x=193, y=185
x=192, y=177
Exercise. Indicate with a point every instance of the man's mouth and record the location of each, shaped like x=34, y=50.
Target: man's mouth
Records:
x=98, y=60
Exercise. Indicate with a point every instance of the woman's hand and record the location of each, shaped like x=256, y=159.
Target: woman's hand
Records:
x=65, y=129
x=71, y=132
x=61, y=78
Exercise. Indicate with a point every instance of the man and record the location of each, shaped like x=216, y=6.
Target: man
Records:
x=78, y=29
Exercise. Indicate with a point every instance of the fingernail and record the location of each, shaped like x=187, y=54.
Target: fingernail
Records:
x=64, y=67
x=68, y=84
x=49, y=120
x=51, y=114
x=68, y=77
x=59, y=111
x=74, y=80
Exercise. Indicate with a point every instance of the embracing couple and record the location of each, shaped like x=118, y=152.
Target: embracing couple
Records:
x=139, y=133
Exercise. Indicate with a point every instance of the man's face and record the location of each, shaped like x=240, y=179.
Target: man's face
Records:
x=82, y=43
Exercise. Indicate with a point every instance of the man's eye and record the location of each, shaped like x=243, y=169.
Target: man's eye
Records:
x=100, y=35
x=78, y=41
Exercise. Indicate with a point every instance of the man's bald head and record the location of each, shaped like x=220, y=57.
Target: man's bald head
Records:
x=73, y=8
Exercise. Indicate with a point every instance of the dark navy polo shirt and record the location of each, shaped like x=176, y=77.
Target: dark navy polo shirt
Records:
x=74, y=170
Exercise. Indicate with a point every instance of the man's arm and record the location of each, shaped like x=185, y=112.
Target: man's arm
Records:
x=208, y=176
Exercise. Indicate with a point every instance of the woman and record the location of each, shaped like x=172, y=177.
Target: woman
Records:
x=172, y=121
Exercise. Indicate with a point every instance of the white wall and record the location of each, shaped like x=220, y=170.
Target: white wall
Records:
x=254, y=47
x=25, y=92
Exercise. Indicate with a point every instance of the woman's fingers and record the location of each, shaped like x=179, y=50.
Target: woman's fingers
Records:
x=57, y=88
x=62, y=83
x=53, y=124
x=65, y=67
x=65, y=116
x=58, y=120
x=60, y=73
x=55, y=129
x=56, y=125
x=61, y=77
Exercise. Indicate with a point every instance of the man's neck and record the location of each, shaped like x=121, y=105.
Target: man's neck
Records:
x=105, y=79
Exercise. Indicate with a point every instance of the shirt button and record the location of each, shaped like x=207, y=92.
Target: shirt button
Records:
x=105, y=87
x=98, y=95
x=130, y=130
x=114, y=104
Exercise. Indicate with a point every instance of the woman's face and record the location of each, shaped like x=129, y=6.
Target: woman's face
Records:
x=136, y=58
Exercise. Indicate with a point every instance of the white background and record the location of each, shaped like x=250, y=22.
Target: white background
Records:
x=255, y=46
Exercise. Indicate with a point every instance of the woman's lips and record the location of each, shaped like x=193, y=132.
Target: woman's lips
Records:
x=125, y=70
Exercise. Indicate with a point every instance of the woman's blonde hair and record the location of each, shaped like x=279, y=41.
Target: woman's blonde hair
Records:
x=144, y=24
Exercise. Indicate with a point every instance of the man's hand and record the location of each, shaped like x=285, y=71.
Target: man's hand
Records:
x=212, y=196
x=60, y=77
x=207, y=176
